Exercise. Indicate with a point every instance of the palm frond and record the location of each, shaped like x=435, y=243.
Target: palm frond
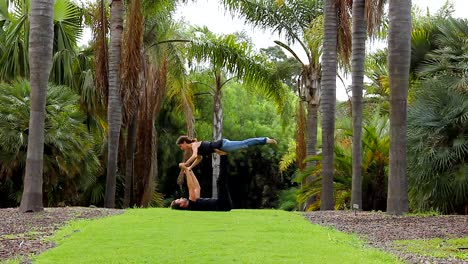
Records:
x=438, y=147
x=68, y=147
x=238, y=59
x=131, y=67
x=290, y=18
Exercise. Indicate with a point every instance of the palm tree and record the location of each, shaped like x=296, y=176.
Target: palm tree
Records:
x=71, y=67
x=436, y=130
x=238, y=59
x=399, y=56
x=40, y=58
x=131, y=77
x=329, y=65
x=151, y=66
x=114, y=113
x=304, y=28
x=300, y=22
x=357, y=72
x=366, y=14
x=14, y=42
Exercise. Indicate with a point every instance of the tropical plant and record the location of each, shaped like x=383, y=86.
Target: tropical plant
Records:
x=40, y=53
x=437, y=123
x=448, y=57
x=70, y=161
x=165, y=73
x=376, y=71
x=152, y=67
x=329, y=71
x=235, y=57
x=366, y=15
x=301, y=22
x=131, y=75
x=67, y=28
x=399, y=58
x=438, y=147
x=287, y=200
x=114, y=108
x=375, y=151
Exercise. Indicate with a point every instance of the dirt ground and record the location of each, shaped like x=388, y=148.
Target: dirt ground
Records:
x=25, y=234
x=380, y=230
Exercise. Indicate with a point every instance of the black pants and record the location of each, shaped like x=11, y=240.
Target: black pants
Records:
x=224, y=196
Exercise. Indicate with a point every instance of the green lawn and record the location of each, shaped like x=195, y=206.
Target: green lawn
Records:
x=437, y=247
x=161, y=235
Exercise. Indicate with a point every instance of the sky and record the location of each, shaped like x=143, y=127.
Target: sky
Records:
x=210, y=13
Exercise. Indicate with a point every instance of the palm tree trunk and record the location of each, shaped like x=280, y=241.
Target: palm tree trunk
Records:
x=40, y=63
x=311, y=145
x=357, y=74
x=129, y=157
x=188, y=114
x=328, y=102
x=114, y=113
x=313, y=98
x=399, y=54
x=217, y=131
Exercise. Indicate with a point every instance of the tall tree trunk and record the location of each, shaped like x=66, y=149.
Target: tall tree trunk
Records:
x=114, y=113
x=357, y=74
x=132, y=75
x=129, y=157
x=399, y=54
x=313, y=98
x=328, y=102
x=217, y=130
x=190, y=121
x=152, y=97
x=40, y=62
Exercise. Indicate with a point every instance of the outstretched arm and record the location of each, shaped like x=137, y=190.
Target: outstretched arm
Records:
x=190, y=162
x=195, y=163
x=192, y=184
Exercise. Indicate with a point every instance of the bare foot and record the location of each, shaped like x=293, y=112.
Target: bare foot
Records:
x=271, y=141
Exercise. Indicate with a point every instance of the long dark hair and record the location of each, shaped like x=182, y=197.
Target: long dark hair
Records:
x=185, y=139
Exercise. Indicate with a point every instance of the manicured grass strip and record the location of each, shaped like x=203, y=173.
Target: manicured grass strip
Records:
x=437, y=247
x=161, y=235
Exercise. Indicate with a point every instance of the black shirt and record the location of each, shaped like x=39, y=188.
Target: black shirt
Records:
x=207, y=204
x=207, y=147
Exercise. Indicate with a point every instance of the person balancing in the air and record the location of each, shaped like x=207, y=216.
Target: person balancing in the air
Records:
x=222, y=147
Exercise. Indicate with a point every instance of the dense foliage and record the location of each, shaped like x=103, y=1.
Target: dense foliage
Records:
x=70, y=152
x=261, y=177
x=438, y=119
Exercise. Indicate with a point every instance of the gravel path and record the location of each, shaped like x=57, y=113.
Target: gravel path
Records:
x=24, y=234
x=380, y=230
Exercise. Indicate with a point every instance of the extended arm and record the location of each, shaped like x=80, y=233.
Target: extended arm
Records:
x=195, y=163
x=192, y=184
x=188, y=162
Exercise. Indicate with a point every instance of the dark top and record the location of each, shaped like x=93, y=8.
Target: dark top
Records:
x=208, y=204
x=207, y=147
x=223, y=203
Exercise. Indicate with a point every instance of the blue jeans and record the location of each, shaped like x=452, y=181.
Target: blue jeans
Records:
x=229, y=145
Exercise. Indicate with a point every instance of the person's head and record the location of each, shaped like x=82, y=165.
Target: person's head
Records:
x=180, y=204
x=184, y=142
